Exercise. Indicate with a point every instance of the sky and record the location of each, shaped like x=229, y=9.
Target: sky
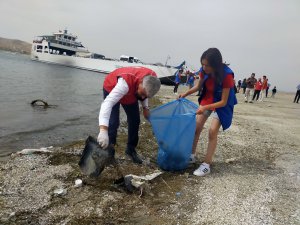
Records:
x=260, y=36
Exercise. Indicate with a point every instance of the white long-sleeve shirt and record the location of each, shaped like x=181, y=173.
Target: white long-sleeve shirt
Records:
x=113, y=98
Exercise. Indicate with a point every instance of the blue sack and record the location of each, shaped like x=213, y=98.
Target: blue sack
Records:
x=174, y=126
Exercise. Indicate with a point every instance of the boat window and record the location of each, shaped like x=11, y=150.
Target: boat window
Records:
x=124, y=59
x=45, y=51
x=130, y=60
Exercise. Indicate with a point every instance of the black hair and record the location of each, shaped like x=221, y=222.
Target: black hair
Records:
x=214, y=58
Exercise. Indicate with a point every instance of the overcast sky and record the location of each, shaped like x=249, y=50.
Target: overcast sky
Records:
x=261, y=36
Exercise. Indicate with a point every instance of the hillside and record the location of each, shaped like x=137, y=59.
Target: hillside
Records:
x=15, y=46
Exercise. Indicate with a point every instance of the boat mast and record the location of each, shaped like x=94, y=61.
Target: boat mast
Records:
x=168, y=57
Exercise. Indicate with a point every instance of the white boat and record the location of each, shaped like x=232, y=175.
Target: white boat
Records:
x=63, y=48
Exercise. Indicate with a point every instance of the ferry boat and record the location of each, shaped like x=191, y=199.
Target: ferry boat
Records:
x=63, y=48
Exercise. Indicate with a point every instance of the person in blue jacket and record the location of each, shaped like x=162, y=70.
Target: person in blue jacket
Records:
x=190, y=79
x=217, y=100
x=177, y=80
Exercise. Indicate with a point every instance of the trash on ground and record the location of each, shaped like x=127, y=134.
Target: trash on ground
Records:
x=94, y=158
x=60, y=191
x=78, y=183
x=28, y=151
x=178, y=194
x=133, y=182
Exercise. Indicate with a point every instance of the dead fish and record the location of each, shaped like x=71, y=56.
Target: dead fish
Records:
x=94, y=158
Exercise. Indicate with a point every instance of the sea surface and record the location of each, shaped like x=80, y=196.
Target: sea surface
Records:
x=74, y=95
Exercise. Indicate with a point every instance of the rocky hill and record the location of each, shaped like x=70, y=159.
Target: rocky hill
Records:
x=15, y=45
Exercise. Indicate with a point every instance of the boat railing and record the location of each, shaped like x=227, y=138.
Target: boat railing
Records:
x=37, y=41
x=68, y=41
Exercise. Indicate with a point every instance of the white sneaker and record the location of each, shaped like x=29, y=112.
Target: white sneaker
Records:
x=203, y=170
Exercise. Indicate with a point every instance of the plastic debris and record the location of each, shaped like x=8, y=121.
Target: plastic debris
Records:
x=60, y=191
x=78, y=183
x=132, y=182
x=28, y=151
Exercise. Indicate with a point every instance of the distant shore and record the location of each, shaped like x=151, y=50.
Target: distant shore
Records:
x=13, y=45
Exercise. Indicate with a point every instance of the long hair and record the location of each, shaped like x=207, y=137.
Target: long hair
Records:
x=214, y=58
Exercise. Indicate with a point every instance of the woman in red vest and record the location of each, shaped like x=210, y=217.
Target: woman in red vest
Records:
x=217, y=99
x=258, y=86
x=126, y=86
x=263, y=88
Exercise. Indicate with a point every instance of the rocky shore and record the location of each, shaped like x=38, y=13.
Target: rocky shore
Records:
x=255, y=177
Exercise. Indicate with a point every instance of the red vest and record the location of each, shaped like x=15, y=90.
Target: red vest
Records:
x=258, y=85
x=132, y=75
x=264, y=84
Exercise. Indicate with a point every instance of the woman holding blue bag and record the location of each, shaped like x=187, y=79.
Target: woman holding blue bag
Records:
x=217, y=99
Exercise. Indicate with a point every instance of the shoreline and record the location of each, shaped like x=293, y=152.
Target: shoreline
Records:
x=255, y=177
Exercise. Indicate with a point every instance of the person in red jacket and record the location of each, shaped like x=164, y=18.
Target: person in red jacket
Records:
x=257, y=90
x=126, y=86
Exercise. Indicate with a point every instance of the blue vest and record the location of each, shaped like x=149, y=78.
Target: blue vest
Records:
x=191, y=79
x=225, y=113
x=177, y=78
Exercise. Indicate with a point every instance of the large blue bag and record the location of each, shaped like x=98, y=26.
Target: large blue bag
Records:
x=174, y=127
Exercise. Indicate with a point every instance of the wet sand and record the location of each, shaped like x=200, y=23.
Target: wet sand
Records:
x=255, y=177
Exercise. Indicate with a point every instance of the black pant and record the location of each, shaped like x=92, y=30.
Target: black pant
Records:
x=133, y=120
x=297, y=96
x=267, y=90
x=244, y=90
x=176, y=87
x=256, y=94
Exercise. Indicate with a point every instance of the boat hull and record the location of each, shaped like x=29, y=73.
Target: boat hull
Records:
x=165, y=74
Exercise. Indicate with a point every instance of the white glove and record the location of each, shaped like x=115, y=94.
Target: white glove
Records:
x=103, y=138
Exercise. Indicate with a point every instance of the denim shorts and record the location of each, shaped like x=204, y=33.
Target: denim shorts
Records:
x=212, y=113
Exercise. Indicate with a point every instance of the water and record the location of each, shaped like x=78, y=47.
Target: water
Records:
x=75, y=94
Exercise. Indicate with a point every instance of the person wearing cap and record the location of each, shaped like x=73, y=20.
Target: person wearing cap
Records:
x=125, y=86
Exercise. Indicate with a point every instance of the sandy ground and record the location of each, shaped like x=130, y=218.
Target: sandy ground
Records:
x=255, y=177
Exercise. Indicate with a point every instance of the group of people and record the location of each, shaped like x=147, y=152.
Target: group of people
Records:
x=126, y=86
x=255, y=89
x=190, y=79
